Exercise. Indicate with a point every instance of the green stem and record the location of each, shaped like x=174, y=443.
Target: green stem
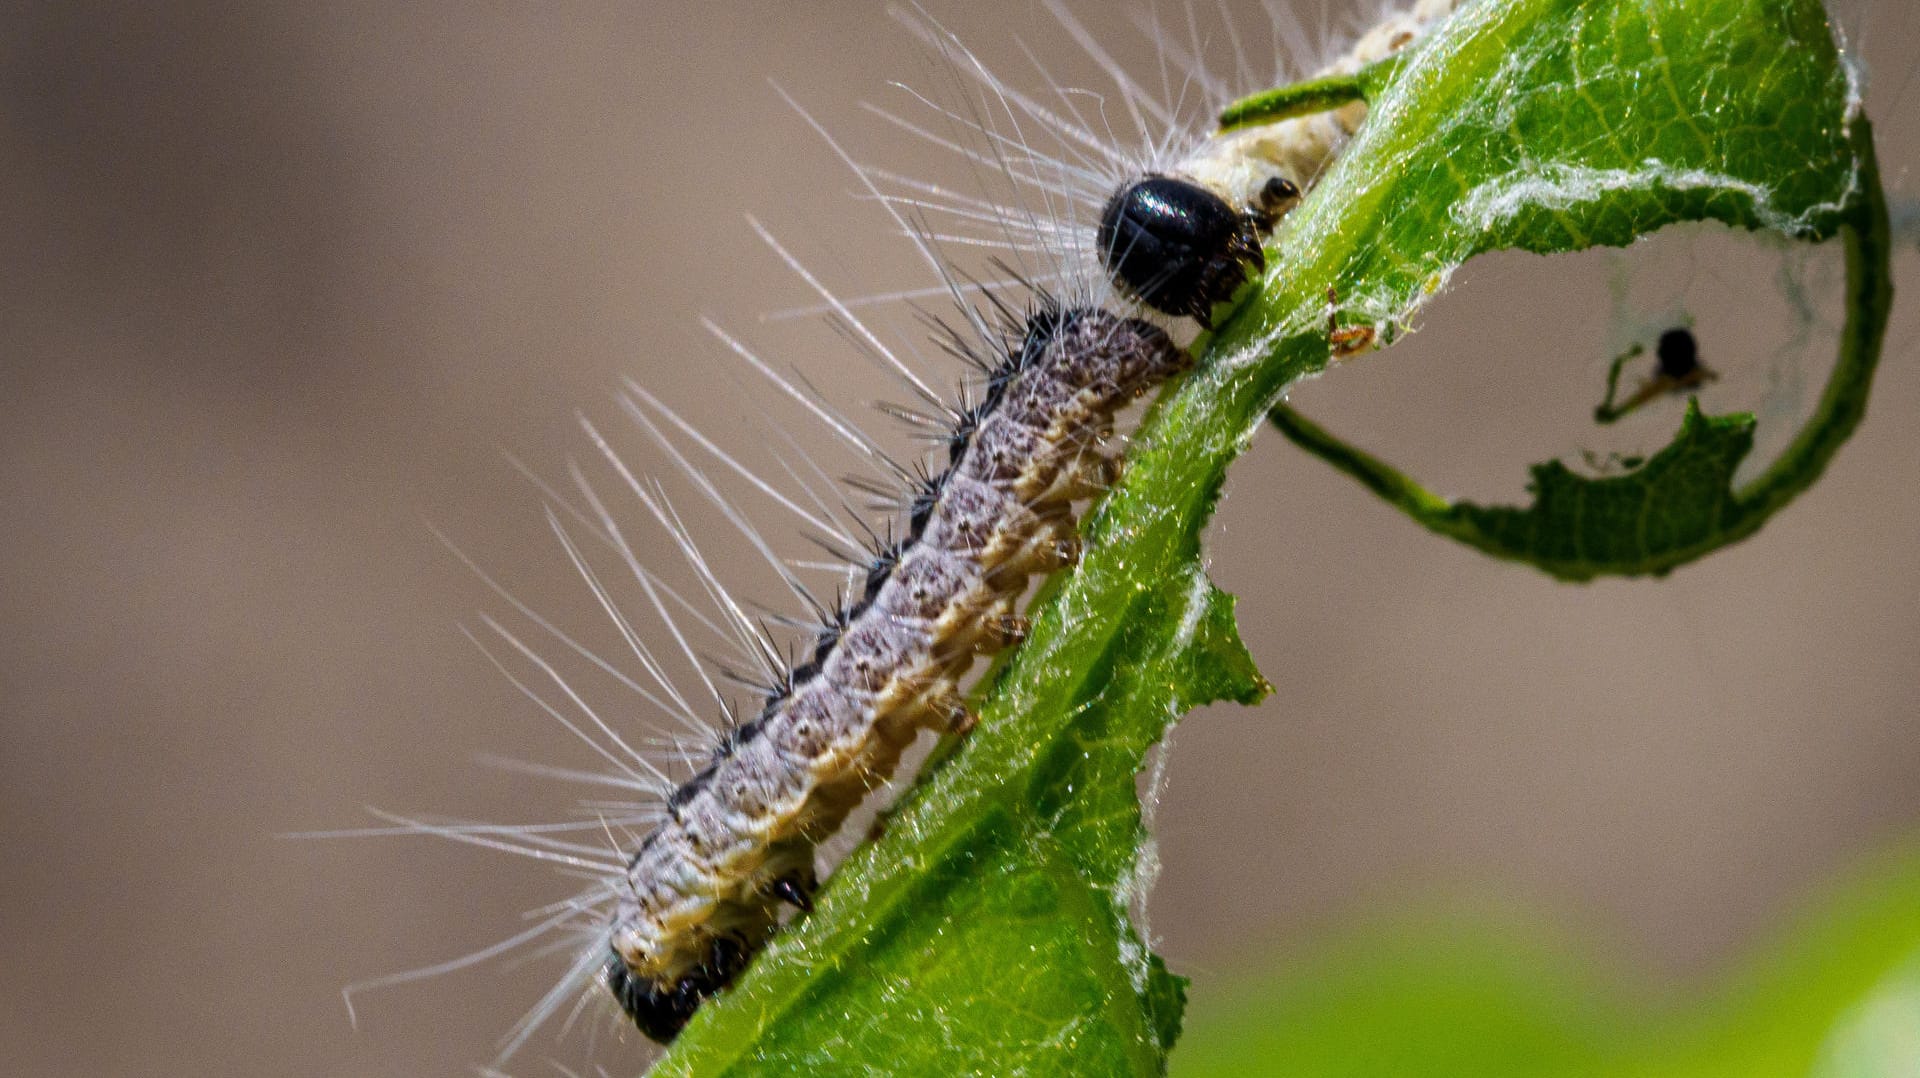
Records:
x=1869, y=302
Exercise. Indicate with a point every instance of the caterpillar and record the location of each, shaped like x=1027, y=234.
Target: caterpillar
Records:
x=705, y=887
x=728, y=852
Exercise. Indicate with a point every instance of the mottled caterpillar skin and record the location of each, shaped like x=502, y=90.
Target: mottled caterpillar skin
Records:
x=705, y=888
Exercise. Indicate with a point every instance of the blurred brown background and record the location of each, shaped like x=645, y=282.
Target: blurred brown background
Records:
x=280, y=280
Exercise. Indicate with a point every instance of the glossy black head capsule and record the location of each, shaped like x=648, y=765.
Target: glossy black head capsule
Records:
x=1179, y=247
x=1679, y=354
x=661, y=1011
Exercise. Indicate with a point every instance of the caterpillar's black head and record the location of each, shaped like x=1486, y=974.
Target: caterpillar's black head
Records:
x=1177, y=246
x=660, y=1011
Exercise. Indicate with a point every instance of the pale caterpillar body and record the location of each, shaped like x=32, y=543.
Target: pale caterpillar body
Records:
x=725, y=853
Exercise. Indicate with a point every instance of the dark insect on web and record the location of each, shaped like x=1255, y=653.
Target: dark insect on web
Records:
x=1679, y=354
x=1677, y=370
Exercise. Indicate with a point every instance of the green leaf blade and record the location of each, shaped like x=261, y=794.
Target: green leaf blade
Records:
x=987, y=931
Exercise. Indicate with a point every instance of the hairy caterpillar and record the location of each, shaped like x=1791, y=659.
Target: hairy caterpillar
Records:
x=705, y=887
x=706, y=884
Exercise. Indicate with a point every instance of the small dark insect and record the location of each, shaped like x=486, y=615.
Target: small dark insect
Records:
x=1180, y=248
x=1677, y=370
x=1679, y=354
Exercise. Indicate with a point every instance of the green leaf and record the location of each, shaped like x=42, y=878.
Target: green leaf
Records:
x=987, y=931
x=1480, y=994
x=1673, y=507
x=1680, y=504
